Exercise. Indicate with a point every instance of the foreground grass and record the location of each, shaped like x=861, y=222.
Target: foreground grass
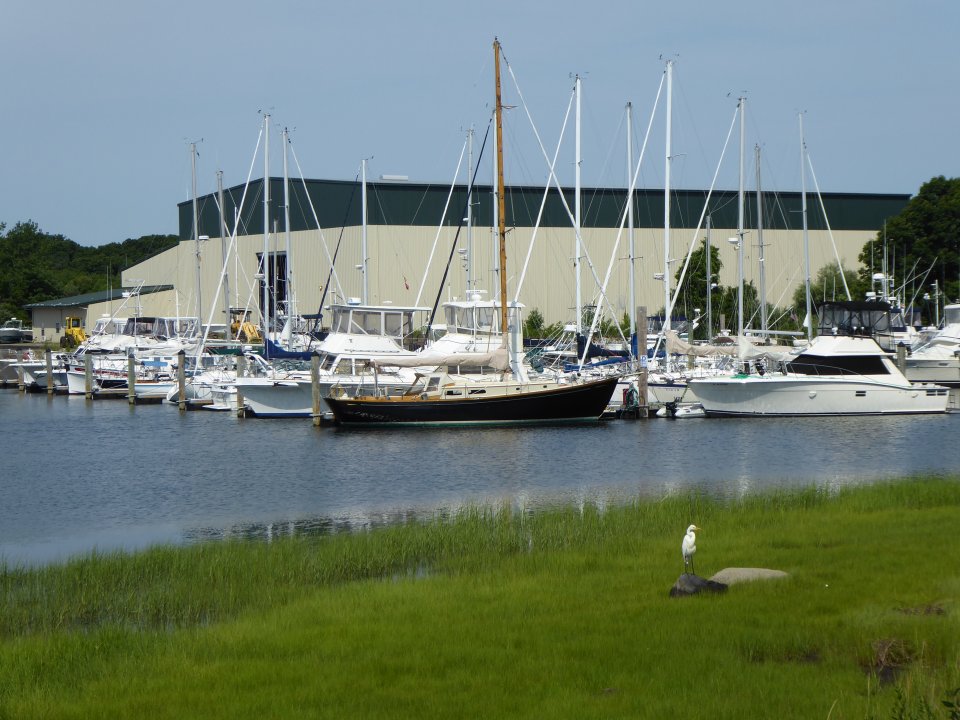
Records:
x=562, y=613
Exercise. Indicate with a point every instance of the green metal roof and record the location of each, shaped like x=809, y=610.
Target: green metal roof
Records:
x=95, y=297
x=337, y=204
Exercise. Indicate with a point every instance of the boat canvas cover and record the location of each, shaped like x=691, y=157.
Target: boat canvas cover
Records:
x=498, y=359
x=744, y=349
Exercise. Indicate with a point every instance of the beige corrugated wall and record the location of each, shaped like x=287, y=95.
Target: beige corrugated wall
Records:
x=398, y=258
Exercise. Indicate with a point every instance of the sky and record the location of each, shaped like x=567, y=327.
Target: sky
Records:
x=103, y=99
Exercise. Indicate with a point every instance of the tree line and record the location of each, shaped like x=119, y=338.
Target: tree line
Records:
x=36, y=266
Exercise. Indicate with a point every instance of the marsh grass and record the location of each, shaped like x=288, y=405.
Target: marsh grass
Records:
x=498, y=612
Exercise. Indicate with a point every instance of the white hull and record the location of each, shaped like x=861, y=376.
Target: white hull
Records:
x=815, y=396
x=77, y=382
x=294, y=398
x=942, y=372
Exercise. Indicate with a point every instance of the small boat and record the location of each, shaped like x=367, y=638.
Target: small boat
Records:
x=677, y=410
x=938, y=359
x=13, y=332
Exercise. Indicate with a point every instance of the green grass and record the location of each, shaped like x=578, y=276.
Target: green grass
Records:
x=558, y=613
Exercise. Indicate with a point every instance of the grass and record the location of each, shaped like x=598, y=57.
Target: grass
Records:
x=558, y=613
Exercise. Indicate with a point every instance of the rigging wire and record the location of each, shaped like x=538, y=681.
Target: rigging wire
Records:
x=456, y=238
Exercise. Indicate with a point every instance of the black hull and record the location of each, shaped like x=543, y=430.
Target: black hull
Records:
x=567, y=403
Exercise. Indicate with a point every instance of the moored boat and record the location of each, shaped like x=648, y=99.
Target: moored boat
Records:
x=440, y=401
x=834, y=375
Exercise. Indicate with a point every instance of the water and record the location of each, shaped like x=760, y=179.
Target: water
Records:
x=78, y=475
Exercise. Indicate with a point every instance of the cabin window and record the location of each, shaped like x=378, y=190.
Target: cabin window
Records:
x=371, y=323
x=485, y=318
x=344, y=367
x=393, y=324
x=464, y=319
x=433, y=384
x=339, y=322
x=808, y=364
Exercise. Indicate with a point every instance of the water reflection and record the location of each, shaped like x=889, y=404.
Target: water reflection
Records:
x=79, y=475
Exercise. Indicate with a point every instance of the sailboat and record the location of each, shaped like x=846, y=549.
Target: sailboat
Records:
x=439, y=398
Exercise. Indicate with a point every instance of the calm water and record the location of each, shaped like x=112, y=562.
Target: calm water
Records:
x=79, y=475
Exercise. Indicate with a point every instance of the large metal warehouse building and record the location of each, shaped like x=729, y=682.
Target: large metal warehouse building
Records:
x=409, y=224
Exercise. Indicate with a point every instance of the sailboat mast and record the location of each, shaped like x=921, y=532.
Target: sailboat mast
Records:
x=501, y=214
x=286, y=226
x=224, y=255
x=265, y=311
x=706, y=243
x=740, y=231
x=633, y=272
x=363, y=234
x=666, y=204
x=763, y=286
x=806, y=240
x=196, y=228
x=576, y=213
x=469, y=210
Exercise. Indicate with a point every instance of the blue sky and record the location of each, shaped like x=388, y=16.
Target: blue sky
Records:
x=102, y=99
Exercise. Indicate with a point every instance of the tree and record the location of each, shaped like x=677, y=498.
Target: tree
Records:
x=37, y=266
x=533, y=325
x=827, y=285
x=922, y=243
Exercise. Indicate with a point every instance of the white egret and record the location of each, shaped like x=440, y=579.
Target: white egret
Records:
x=688, y=547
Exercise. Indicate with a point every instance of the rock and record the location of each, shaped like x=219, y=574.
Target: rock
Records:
x=731, y=576
x=688, y=584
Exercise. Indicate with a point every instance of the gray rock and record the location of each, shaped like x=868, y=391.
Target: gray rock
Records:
x=731, y=576
x=688, y=584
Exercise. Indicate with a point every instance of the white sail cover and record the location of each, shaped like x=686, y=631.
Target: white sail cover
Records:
x=676, y=346
x=498, y=359
x=744, y=349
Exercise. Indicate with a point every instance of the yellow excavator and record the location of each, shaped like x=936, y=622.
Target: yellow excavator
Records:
x=246, y=331
x=73, y=332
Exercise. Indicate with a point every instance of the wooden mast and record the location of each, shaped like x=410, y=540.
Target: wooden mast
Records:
x=500, y=200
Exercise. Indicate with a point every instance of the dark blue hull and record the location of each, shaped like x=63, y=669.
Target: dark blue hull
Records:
x=578, y=402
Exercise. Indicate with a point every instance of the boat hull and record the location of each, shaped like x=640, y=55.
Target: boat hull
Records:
x=755, y=396
x=576, y=402
x=942, y=371
x=294, y=398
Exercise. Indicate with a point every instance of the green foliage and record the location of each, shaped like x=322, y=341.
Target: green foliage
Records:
x=827, y=285
x=534, y=326
x=36, y=266
x=557, y=612
x=926, y=233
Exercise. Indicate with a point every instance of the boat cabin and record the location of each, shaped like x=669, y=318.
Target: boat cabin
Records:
x=478, y=317
x=386, y=320
x=842, y=355
x=161, y=328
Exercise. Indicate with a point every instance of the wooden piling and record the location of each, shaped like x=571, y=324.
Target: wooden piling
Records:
x=88, y=376
x=49, y=358
x=182, y=379
x=315, y=386
x=131, y=379
x=241, y=372
x=642, y=390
